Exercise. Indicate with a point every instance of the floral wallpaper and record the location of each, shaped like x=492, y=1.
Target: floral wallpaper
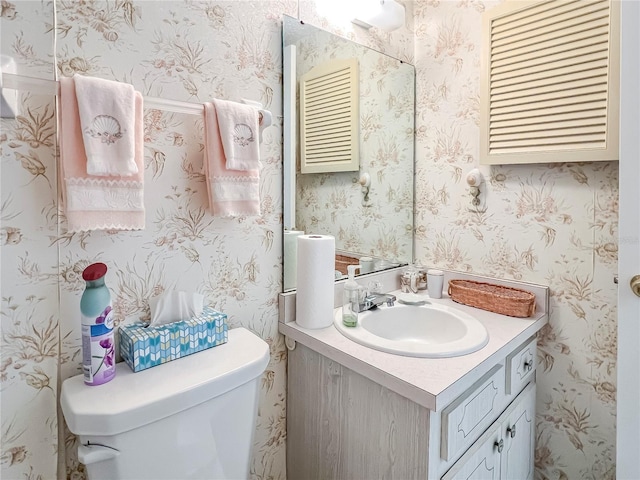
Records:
x=552, y=224
x=380, y=222
x=182, y=50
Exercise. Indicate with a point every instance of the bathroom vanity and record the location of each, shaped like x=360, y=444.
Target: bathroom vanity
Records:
x=354, y=412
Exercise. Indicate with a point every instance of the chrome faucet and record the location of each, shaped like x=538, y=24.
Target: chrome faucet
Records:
x=373, y=300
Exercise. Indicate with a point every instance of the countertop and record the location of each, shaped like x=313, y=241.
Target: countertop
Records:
x=432, y=383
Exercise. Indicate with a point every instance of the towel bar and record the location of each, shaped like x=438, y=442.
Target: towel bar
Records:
x=43, y=86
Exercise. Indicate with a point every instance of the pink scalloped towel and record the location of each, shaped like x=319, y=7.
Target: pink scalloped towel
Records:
x=97, y=202
x=232, y=193
x=107, y=118
x=239, y=132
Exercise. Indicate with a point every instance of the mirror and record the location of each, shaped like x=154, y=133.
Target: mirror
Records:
x=369, y=210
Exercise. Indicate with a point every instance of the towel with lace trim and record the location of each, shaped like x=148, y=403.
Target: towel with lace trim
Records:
x=97, y=202
x=232, y=193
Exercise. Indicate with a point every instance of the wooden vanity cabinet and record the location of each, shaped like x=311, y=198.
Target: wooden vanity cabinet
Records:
x=342, y=425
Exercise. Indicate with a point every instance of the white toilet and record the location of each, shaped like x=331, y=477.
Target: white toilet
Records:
x=192, y=418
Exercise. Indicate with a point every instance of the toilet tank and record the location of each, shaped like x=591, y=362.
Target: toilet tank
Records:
x=190, y=418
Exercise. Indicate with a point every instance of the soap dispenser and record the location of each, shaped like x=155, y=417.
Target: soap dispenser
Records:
x=351, y=298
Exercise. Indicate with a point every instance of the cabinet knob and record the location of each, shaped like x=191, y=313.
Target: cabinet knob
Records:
x=528, y=365
x=499, y=445
x=511, y=431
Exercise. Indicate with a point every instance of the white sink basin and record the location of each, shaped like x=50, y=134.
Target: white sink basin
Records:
x=430, y=330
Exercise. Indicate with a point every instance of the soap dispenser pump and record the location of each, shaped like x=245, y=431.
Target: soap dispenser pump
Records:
x=351, y=298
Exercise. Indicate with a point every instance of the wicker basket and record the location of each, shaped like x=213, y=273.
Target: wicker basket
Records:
x=495, y=298
x=342, y=261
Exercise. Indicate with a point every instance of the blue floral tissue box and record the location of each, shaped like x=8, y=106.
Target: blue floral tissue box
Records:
x=145, y=347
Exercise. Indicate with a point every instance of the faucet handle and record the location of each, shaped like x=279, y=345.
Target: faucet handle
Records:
x=391, y=300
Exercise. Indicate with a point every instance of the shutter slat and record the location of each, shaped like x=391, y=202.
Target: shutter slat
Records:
x=549, y=126
x=552, y=83
x=526, y=119
x=328, y=120
x=553, y=148
x=575, y=132
x=578, y=36
x=543, y=61
x=556, y=97
x=327, y=89
x=530, y=85
x=328, y=151
x=331, y=106
x=332, y=159
x=541, y=9
x=321, y=131
x=550, y=141
x=591, y=73
x=328, y=78
x=549, y=107
x=553, y=24
x=329, y=144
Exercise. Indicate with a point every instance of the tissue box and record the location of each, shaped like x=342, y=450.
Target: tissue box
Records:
x=143, y=348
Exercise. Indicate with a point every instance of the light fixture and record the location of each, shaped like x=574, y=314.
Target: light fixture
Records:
x=386, y=15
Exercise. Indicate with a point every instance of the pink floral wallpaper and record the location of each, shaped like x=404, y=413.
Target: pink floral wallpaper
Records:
x=182, y=50
x=551, y=224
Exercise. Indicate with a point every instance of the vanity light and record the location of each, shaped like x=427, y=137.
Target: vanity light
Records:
x=386, y=15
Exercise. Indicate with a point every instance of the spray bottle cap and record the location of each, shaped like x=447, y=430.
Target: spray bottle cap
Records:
x=94, y=272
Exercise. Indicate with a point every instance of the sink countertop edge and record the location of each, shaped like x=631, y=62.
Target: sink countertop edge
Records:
x=406, y=375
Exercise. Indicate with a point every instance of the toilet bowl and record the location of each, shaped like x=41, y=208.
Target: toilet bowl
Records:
x=192, y=418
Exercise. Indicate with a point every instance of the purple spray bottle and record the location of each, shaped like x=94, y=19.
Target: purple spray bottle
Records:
x=98, y=348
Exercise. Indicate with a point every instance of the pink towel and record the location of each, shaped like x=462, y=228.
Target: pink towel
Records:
x=232, y=193
x=239, y=131
x=107, y=118
x=97, y=203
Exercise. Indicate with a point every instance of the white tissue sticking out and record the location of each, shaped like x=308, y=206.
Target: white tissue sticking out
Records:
x=174, y=306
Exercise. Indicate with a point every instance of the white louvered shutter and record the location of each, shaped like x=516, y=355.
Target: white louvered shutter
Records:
x=329, y=118
x=549, y=84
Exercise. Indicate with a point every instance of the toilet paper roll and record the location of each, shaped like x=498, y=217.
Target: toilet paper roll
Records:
x=315, y=281
x=291, y=257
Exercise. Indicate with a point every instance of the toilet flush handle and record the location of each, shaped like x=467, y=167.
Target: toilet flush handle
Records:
x=93, y=453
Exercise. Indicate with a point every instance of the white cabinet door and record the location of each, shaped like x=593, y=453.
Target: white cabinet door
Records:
x=519, y=430
x=482, y=460
x=506, y=450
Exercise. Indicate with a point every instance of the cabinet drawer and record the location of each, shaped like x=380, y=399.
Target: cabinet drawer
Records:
x=468, y=416
x=520, y=366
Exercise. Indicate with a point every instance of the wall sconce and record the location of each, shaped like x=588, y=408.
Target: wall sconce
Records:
x=477, y=190
x=386, y=15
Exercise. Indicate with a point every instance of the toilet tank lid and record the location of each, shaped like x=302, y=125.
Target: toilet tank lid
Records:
x=132, y=400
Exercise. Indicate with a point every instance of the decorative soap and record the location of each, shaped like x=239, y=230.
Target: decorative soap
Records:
x=145, y=347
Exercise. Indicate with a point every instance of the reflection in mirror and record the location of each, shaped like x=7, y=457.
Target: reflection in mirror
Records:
x=369, y=209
